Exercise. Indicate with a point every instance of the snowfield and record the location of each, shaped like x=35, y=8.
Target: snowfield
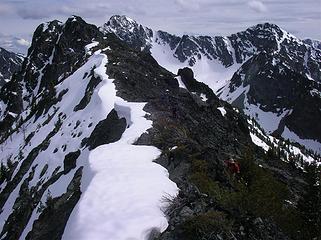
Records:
x=210, y=72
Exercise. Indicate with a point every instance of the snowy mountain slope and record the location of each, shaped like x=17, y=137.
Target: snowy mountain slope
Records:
x=288, y=150
x=73, y=163
x=173, y=52
x=52, y=170
x=98, y=140
x=216, y=61
x=276, y=96
x=226, y=51
x=69, y=166
x=9, y=63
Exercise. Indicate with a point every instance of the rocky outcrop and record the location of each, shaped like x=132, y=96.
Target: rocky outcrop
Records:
x=106, y=131
x=9, y=64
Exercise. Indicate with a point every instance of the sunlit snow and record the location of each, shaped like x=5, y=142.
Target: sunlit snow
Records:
x=125, y=188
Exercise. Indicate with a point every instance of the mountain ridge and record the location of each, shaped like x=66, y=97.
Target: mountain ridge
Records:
x=215, y=60
x=98, y=139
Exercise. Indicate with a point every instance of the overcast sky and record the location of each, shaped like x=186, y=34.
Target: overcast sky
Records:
x=19, y=18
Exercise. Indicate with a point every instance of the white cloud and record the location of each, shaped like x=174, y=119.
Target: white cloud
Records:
x=257, y=6
x=14, y=44
x=23, y=42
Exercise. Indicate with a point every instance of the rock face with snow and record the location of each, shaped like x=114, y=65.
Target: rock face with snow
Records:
x=268, y=53
x=9, y=64
x=270, y=90
x=313, y=42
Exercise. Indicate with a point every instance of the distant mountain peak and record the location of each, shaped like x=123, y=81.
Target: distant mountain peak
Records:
x=118, y=22
x=121, y=26
x=313, y=42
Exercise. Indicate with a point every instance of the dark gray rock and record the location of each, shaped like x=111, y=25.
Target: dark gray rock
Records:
x=70, y=161
x=10, y=63
x=94, y=81
x=106, y=131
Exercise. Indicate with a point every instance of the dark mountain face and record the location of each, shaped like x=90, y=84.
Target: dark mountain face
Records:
x=120, y=25
x=57, y=50
x=277, y=88
x=97, y=138
x=9, y=64
x=281, y=71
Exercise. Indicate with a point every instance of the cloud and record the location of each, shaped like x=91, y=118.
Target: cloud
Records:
x=5, y=9
x=210, y=17
x=257, y=6
x=23, y=42
x=33, y=13
x=14, y=44
x=188, y=4
x=45, y=9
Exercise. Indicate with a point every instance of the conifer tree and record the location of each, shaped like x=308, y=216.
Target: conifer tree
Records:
x=310, y=203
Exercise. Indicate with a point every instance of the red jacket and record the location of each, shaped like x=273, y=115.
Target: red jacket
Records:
x=233, y=166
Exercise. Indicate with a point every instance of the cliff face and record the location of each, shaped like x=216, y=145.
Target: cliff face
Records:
x=9, y=64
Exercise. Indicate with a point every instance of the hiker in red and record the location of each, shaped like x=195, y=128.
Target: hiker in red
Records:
x=233, y=166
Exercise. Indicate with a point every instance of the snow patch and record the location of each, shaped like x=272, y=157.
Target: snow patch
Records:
x=222, y=110
x=173, y=148
x=268, y=120
x=89, y=46
x=211, y=72
x=257, y=141
x=203, y=97
x=180, y=82
x=308, y=143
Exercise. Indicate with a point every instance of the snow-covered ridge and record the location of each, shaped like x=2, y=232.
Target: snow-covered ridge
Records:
x=123, y=198
x=122, y=188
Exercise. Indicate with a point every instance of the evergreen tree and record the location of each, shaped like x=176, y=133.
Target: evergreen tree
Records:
x=310, y=203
